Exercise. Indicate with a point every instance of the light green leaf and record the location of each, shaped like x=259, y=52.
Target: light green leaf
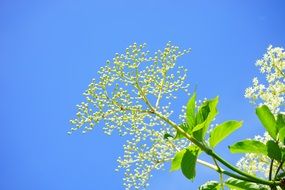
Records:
x=176, y=162
x=242, y=185
x=210, y=185
x=267, y=119
x=281, y=135
x=190, y=111
x=273, y=150
x=206, y=113
x=198, y=127
x=188, y=163
x=249, y=146
x=223, y=130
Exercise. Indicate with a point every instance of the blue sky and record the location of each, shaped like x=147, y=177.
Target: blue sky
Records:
x=50, y=51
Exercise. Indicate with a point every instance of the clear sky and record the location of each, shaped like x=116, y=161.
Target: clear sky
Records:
x=50, y=50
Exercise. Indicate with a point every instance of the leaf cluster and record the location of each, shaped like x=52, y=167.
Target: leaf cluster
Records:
x=198, y=120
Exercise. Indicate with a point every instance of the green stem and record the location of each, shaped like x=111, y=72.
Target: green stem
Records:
x=278, y=169
x=204, y=148
x=143, y=95
x=220, y=173
x=256, y=179
x=270, y=170
x=211, y=153
x=161, y=87
x=216, y=167
x=213, y=167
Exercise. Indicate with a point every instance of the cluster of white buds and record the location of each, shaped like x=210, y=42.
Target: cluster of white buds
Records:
x=270, y=93
x=131, y=87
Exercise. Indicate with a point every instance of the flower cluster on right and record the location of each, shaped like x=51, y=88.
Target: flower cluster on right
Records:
x=270, y=91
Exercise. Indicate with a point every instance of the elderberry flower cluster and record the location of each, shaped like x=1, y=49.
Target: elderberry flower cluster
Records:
x=272, y=92
x=131, y=88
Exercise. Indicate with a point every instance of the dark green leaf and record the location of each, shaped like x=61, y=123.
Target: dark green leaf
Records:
x=166, y=136
x=281, y=175
x=273, y=150
x=282, y=149
x=280, y=123
x=210, y=185
x=206, y=113
x=176, y=162
x=203, y=112
x=188, y=164
x=267, y=119
x=249, y=146
x=242, y=185
x=281, y=135
x=190, y=111
x=223, y=130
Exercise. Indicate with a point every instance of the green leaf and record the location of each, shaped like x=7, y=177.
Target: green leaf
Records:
x=198, y=127
x=185, y=127
x=280, y=123
x=206, y=113
x=203, y=112
x=190, y=111
x=176, y=162
x=188, y=163
x=223, y=130
x=281, y=175
x=273, y=150
x=281, y=135
x=210, y=185
x=242, y=185
x=166, y=136
x=267, y=119
x=282, y=153
x=249, y=146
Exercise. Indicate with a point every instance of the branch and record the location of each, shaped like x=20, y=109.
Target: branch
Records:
x=211, y=153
